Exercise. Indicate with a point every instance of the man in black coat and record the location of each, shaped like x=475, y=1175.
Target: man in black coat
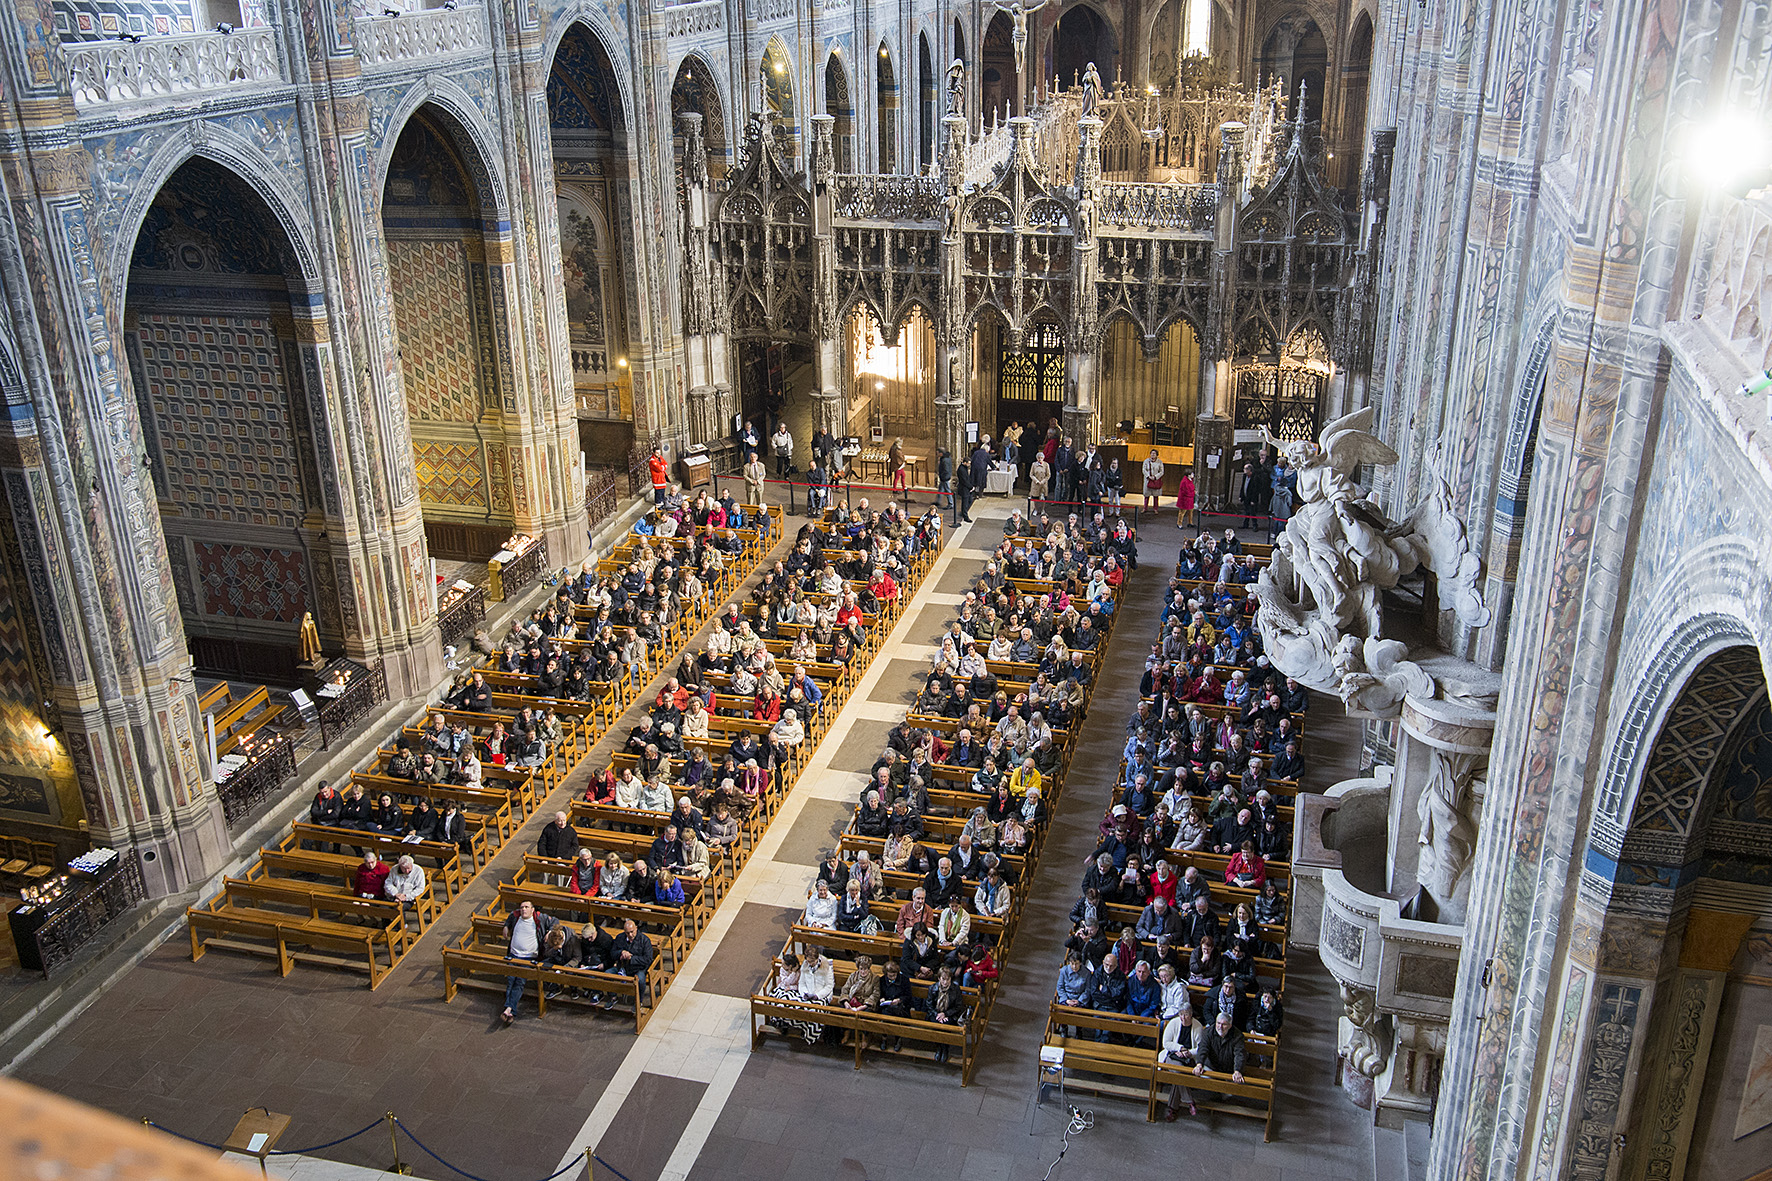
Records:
x=632, y=952
x=560, y=840
x=943, y=882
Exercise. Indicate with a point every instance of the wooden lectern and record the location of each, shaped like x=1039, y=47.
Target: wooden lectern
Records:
x=256, y=1135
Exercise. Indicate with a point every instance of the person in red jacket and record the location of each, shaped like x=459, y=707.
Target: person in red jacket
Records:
x=659, y=472
x=370, y=877
x=766, y=706
x=1246, y=868
x=849, y=612
x=1205, y=687
x=586, y=875
x=601, y=788
x=979, y=965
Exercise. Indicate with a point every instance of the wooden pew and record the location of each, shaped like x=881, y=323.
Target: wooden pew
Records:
x=865, y=1025
x=480, y=953
x=235, y=926
x=441, y=860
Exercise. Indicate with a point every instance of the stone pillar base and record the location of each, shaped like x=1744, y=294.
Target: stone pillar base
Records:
x=1212, y=484
x=1079, y=424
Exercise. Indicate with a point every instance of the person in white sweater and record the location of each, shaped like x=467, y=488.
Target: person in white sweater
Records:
x=821, y=908
x=406, y=884
x=818, y=978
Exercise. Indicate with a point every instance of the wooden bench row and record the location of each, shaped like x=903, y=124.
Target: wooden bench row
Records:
x=1129, y=1065
x=478, y=956
x=873, y=1031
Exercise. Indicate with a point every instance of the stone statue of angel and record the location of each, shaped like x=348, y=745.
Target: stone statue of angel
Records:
x=1321, y=612
x=1018, y=31
x=1335, y=541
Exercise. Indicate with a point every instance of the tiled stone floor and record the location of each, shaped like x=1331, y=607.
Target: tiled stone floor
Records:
x=191, y=1045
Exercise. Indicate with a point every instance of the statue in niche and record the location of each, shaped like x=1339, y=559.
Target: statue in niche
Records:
x=957, y=88
x=1321, y=614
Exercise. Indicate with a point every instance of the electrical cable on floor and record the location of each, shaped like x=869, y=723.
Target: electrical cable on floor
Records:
x=1081, y=1121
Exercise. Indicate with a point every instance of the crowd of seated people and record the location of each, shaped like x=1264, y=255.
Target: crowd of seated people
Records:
x=1193, y=781
x=631, y=613
x=1003, y=747
x=709, y=780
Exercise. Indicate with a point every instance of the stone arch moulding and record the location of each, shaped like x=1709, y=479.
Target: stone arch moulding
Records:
x=1711, y=619
x=1528, y=404
x=1179, y=316
x=595, y=19
x=245, y=161
x=895, y=324
x=471, y=139
x=698, y=61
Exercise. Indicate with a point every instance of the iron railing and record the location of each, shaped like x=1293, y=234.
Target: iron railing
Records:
x=365, y=689
x=257, y=781
x=95, y=903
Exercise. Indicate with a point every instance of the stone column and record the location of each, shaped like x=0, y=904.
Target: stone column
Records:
x=952, y=399
x=704, y=312
x=827, y=355
x=98, y=584
x=383, y=579
x=1082, y=360
x=1212, y=425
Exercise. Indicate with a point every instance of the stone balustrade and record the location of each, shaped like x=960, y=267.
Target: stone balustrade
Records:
x=881, y=197
x=421, y=36
x=107, y=72
x=692, y=20
x=1158, y=206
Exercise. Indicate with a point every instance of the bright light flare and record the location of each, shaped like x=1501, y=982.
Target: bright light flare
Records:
x=1729, y=149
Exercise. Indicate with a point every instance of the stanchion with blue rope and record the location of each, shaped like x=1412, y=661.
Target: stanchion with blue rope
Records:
x=395, y=1126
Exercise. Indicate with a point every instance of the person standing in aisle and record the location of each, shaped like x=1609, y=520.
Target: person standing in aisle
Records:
x=660, y=473
x=754, y=475
x=1153, y=482
x=783, y=443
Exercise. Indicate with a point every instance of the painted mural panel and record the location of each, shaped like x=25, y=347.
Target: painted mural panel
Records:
x=215, y=386
x=252, y=582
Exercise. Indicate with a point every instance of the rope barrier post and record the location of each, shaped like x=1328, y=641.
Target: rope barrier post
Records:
x=396, y=1168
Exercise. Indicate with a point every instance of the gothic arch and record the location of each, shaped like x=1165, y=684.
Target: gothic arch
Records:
x=776, y=71
x=904, y=311
x=595, y=19
x=839, y=104
x=1105, y=326
x=1676, y=824
x=1180, y=315
x=696, y=87
x=886, y=104
x=460, y=119
x=246, y=162
x=214, y=317
x=860, y=300
x=1703, y=610
x=927, y=96
x=1512, y=485
x=1091, y=35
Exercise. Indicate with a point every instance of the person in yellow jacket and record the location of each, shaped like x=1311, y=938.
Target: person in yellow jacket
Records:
x=1023, y=777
